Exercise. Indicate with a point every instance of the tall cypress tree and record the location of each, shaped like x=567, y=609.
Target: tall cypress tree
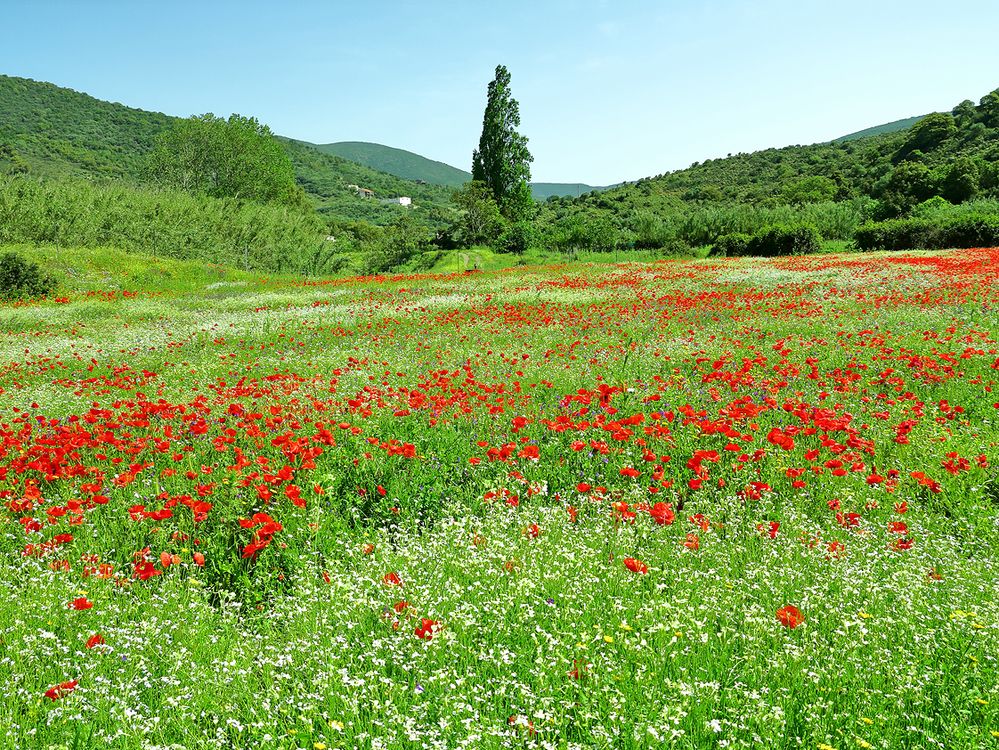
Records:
x=502, y=160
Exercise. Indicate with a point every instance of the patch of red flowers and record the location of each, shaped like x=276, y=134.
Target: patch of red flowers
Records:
x=635, y=565
x=790, y=616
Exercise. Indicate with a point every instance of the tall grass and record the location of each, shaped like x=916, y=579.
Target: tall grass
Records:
x=703, y=225
x=164, y=223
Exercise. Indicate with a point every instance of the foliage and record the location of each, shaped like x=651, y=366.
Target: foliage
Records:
x=22, y=279
x=517, y=238
x=168, y=223
x=234, y=158
x=502, y=160
x=814, y=189
x=962, y=230
x=783, y=239
x=928, y=134
x=478, y=220
x=731, y=245
x=59, y=133
x=11, y=161
x=400, y=242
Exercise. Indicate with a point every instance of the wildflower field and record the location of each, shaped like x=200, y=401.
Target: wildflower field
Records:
x=689, y=504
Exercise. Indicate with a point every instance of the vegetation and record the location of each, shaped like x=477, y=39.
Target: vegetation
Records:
x=162, y=222
x=22, y=279
x=398, y=162
x=886, y=175
x=981, y=230
x=234, y=158
x=502, y=161
x=685, y=504
x=56, y=139
x=54, y=133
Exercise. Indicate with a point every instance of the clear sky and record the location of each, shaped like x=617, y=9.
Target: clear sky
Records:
x=608, y=91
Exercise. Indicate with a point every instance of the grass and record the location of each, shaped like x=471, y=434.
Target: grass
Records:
x=498, y=441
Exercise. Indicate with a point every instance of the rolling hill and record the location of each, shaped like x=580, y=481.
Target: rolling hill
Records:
x=410, y=166
x=56, y=132
x=397, y=161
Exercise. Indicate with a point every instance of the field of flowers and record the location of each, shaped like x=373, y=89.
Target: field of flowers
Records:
x=687, y=504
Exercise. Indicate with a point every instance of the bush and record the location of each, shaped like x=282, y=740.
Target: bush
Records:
x=969, y=230
x=783, y=239
x=676, y=248
x=516, y=238
x=731, y=245
x=22, y=279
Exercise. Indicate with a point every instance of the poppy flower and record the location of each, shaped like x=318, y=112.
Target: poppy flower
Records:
x=662, y=514
x=427, y=629
x=392, y=579
x=769, y=529
x=81, y=603
x=790, y=616
x=95, y=640
x=61, y=690
x=635, y=565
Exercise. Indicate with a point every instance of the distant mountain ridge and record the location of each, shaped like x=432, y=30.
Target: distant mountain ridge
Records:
x=410, y=166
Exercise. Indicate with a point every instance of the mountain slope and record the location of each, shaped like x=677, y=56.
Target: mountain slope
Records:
x=398, y=161
x=58, y=132
x=888, y=127
x=883, y=173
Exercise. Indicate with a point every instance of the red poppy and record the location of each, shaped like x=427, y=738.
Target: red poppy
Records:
x=61, y=690
x=790, y=616
x=95, y=640
x=427, y=629
x=635, y=565
x=769, y=529
x=81, y=603
x=662, y=514
x=392, y=579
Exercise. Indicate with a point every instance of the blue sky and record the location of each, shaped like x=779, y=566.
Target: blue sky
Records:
x=608, y=91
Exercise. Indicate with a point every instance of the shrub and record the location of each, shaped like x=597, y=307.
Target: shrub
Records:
x=969, y=230
x=516, y=238
x=22, y=279
x=731, y=245
x=676, y=248
x=783, y=239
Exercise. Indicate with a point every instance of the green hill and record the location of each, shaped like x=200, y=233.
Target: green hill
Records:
x=884, y=172
x=412, y=166
x=55, y=132
x=399, y=162
x=888, y=127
